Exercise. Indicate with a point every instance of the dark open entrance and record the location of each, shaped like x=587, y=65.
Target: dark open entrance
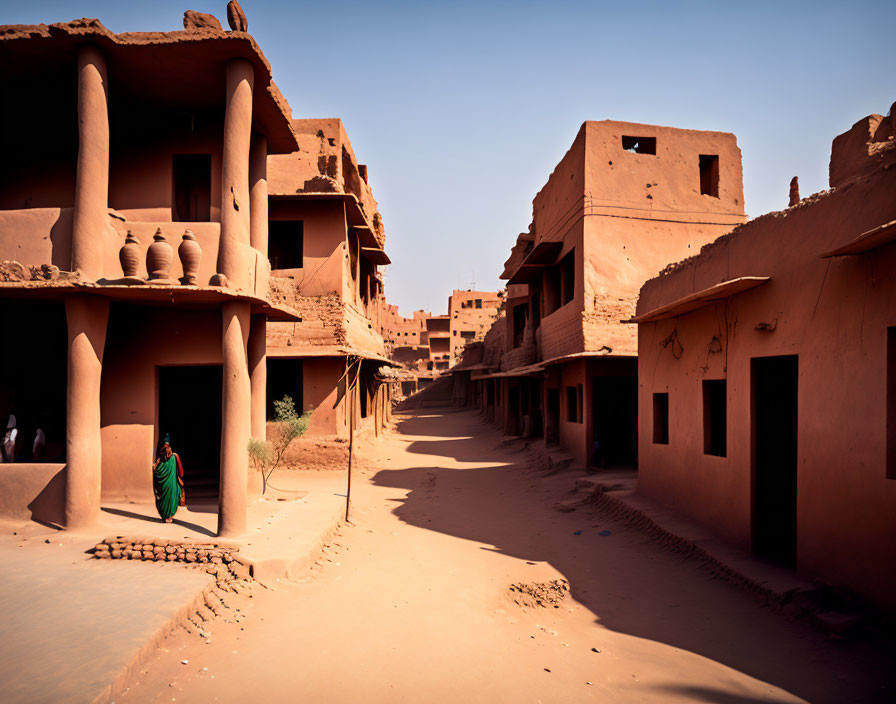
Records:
x=552, y=417
x=775, y=406
x=285, y=378
x=192, y=187
x=614, y=403
x=190, y=411
x=33, y=380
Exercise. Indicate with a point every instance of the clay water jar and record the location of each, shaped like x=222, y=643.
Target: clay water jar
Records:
x=159, y=257
x=190, y=254
x=129, y=255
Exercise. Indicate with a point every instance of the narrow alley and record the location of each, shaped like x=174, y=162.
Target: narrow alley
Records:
x=411, y=602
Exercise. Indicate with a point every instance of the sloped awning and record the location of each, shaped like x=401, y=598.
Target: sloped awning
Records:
x=700, y=298
x=375, y=256
x=543, y=255
x=872, y=239
x=528, y=370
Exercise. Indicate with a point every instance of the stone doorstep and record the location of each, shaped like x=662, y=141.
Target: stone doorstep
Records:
x=782, y=588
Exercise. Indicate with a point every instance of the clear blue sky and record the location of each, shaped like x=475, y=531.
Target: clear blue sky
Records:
x=462, y=109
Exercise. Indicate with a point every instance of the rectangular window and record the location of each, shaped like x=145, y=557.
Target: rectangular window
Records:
x=709, y=175
x=639, y=145
x=467, y=334
x=568, y=277
x=479, y=303
x=572, y=405
x=192, y=179
x=285, y=244
x=580, y=402
x=661, y=419
x=551, y=289
x=891, y=403
x=715, y=417
x=519, y=323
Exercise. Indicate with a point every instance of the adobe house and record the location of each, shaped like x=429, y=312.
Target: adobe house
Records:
x=471, y=314
x=625, y=200
x=326, y=247
x=407, y=345
x=768, y=377
x=134, y=286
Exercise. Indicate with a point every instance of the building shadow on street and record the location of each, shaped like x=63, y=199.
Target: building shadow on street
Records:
x=630, y=583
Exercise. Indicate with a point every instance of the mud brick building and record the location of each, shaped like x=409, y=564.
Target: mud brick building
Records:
x=471, y=314
x=407, y=344
x=768, y=377
x=624, y=201
x=326, y=249
x=134, y=247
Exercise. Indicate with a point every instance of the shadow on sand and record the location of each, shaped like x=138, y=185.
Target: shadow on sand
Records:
x=630, y=584
x=155, y=519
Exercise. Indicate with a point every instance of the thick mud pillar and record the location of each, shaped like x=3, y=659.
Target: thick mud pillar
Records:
x=235, y=203
x=258, y=194
x=236, y=419
x=258, y=375
x=92, y=176
x=87, y=318
x=258, y=380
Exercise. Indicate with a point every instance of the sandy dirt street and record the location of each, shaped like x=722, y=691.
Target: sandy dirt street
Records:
x=413, y=603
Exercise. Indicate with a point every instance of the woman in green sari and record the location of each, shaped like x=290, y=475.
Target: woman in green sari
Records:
x=167, y=480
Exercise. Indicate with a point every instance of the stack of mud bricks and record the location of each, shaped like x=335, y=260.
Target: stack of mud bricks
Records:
x=222, y=558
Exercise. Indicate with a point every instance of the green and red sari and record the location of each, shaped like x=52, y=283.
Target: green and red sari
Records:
x=166, y=484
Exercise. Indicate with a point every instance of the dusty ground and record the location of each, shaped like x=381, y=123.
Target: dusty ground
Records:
x=413, y=603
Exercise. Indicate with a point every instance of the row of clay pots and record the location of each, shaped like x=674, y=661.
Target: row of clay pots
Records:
x=159, y=257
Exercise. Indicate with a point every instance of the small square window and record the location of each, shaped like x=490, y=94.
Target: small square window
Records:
x=285, y=244
x=639, y=145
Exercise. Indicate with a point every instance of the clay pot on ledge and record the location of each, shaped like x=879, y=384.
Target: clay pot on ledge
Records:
x=129, y=257
x=158, y=258
x=190, y=254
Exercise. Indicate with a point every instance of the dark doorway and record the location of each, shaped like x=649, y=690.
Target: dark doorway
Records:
x=192, y=187
x=615, y=410
x=190, y=412
x=285, y=378
x=552, y=417
x=34, y=380
x=775, y=409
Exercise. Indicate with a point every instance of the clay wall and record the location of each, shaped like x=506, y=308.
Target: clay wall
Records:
x=319, y=391
x=835, y=315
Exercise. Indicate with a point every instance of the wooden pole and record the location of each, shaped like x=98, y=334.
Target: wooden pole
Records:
x=351, y=386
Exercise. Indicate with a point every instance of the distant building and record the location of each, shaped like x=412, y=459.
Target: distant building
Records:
x=768, y=377
x=471, y=314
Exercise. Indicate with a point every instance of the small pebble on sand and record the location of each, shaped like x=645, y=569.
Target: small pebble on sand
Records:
x=184, y=662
